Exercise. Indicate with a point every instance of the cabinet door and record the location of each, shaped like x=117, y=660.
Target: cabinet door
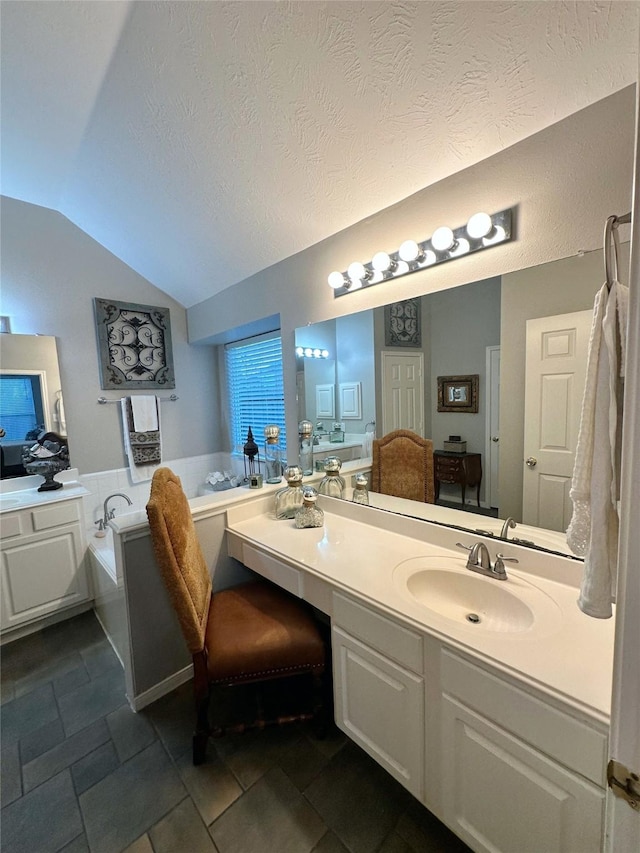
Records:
x=503, y=796
x=40, y=574
x=380, y=705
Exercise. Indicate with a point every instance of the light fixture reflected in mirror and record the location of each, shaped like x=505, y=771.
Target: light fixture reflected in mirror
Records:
x=480, y=232
x=312, y=352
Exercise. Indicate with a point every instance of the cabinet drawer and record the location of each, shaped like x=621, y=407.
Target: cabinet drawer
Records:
x=395, y=641
x=65, y=512
x=569, y=741
x=448, y=464
x=285, y=576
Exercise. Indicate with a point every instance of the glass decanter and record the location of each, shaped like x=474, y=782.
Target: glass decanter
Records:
x=289, y=499
x=332, y=484
x=272, y=454
x=309, y=515
x=305, y=450
x=361, y=493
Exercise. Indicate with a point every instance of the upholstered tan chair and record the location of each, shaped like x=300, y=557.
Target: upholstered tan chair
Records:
x=403, y=466
x=253, y=632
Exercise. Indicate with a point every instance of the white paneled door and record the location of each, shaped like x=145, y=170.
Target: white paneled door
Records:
x=554, y=384
x=402, y=392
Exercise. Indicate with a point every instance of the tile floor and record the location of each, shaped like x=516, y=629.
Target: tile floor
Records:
x=81, y=772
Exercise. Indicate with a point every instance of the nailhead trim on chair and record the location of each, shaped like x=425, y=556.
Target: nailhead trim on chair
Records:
x=268, y=672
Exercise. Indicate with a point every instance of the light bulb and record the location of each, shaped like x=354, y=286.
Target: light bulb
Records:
x=336, y=280
x=316, y=353
x=409, y=251
x=429, y=258
x=354, y=285
x=461, y=248
x=356, y=271
x=479, y=225
x=497, y=237
x=382, y=262
x=308, y=352
x=325, y=353
x=442, y=239
x=299, y=352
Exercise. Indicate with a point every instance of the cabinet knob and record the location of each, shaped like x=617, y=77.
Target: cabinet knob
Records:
x=531, y=462
x=495, y=438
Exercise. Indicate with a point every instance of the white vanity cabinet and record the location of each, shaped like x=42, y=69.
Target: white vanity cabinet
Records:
x=42, y=567
x=379, y=689
x=516, y=773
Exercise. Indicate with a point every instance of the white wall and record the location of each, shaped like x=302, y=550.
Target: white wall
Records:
x=563, y=183
x=51, y=270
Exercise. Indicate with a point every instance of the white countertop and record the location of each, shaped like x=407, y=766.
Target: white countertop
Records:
x=565, y=653
x=22, y=492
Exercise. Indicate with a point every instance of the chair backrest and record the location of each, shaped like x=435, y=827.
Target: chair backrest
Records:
x=403, y=466
x=179, y=555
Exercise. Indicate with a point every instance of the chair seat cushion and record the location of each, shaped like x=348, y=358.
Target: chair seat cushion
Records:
x=256, y=631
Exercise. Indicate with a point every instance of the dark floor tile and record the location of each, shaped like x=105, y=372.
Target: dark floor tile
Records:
x=41, y=740
x=64, y=754
x=27, y=713
x=173, y=717
x=131, y=732
x=252, y=754
x=272, y=809
x=88, y=703
x=70, y=680
x=302, y=762
x=100, y=659
x=51, y=668
x=181, y=829
x=352, y=777
x=212, y=785
x=330, y=843
x=10, y=777
x=78, y=845
x=141, y=845
x=7, y=689
x=394, y=844
x=424, y=833
x=44, y=820
x=94, y=767
x=125, y=804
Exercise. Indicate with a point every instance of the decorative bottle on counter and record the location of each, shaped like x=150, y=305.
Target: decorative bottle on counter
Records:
x=309, y=515
x=361, y=493
x=272, y=460
x=289, y=499
x=332, y=484
x=305, y=435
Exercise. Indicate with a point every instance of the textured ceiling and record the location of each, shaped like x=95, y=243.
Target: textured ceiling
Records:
x=203, y=141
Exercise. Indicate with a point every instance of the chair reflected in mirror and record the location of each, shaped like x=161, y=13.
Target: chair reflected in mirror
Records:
x=403, y=466
x=249, y=634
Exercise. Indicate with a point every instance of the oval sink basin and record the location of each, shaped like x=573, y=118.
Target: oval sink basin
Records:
x=8, y=502
x=445, y=587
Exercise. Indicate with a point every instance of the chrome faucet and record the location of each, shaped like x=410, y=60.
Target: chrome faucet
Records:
x=508, y=525
x=480, y=561
x=110, y=513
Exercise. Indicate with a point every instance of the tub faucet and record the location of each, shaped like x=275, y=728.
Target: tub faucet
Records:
x=110, y=513
x=508, y=525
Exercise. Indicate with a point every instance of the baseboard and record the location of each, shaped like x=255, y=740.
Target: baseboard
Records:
x=19, y=631
x=161, y=689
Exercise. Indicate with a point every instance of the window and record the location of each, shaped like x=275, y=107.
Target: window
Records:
x=255, y=388
x=21, y=407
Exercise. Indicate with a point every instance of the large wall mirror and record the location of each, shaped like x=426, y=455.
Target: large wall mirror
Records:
x=494, y=329
x=30, y=396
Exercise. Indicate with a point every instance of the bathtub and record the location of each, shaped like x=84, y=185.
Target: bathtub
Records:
x=108, y=593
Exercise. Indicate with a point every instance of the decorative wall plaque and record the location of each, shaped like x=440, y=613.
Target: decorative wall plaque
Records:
x=134, y=345
x=402, y=324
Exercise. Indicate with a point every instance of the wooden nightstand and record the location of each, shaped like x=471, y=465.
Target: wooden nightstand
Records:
x=462, y=468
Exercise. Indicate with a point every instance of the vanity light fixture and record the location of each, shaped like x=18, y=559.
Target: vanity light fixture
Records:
x=312, y=352
x=480, y=232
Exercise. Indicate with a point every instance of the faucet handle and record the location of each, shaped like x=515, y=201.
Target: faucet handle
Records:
x=466, y=547
x=498, y=566
x=100, y=523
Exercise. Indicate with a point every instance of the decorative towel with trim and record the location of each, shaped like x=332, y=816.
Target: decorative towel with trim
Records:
x=142, y=437
x=593, y=530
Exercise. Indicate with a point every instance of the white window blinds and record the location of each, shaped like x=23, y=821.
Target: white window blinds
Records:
x=255, y=388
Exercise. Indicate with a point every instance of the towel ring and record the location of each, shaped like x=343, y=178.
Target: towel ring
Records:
x=611, y=242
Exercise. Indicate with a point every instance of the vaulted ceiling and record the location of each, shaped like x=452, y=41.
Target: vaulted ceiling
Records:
x=201, y=142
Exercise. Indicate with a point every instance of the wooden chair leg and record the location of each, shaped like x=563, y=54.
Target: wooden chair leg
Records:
x=202, y=693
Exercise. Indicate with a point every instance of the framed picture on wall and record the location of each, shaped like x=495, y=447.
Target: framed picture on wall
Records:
x=458, y=393
x=134, y=345
x=402, y=324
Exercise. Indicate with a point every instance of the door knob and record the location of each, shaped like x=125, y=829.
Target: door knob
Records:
x=495, y=438
x=531, y=462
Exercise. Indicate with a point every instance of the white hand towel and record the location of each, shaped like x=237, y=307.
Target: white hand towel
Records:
x=138, y=473
x=145, y=413
x=593, y=531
